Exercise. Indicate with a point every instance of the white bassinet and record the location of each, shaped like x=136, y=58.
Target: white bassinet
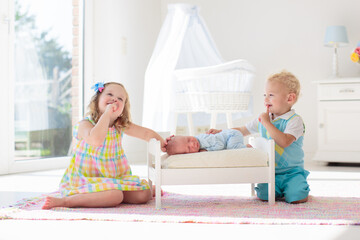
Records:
x=223, y=88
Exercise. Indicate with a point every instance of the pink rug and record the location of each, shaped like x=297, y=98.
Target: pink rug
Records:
x=179, y=208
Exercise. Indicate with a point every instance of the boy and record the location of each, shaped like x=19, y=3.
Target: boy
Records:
x=227, y=139
x=281, y=123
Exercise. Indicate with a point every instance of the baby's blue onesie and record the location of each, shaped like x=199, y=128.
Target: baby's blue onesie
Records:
x=226, y=139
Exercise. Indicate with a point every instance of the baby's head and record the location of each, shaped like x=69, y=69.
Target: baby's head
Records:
x=288, y=81
x=100, y=93
x=182, y=144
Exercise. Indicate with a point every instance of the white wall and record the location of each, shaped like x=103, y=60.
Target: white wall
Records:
x=272, y=35
x=281, y=34
x=119, y=39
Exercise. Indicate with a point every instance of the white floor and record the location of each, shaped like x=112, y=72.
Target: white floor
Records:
x=324, y=181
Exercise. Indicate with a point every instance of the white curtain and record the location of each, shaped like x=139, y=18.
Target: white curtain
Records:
x=31, y=86
x=183, y=42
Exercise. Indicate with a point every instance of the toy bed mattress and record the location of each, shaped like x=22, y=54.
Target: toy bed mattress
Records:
x=232, y=158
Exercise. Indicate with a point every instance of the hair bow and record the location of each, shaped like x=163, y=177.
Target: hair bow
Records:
x=98, y=87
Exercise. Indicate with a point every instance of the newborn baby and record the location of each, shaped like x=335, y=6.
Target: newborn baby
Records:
x=226, y=139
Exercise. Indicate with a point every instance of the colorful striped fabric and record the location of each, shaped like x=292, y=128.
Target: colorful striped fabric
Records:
x=95, y=169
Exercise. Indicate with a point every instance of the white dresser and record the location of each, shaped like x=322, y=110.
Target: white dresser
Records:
x=338, y=120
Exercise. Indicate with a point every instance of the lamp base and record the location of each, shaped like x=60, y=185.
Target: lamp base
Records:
x=335, y=70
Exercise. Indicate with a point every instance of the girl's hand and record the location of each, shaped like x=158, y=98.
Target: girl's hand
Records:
x=168, y=139
x=113, y=109
x=213, y=131
x=110, y=108
x=116, y=109
x=163, y=145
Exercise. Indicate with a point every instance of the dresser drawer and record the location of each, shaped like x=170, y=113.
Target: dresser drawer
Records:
x=339, y=91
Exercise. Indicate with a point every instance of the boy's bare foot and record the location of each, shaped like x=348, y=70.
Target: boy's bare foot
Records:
x=249, y=146
x=51, y=202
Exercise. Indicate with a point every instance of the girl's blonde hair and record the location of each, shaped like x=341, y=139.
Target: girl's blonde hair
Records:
x=288, y=80
x=123, y=121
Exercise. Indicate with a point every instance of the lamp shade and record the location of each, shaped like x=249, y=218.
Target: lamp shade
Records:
x=336, y=36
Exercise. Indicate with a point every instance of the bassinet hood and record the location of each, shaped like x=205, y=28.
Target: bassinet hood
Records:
x=184, y=42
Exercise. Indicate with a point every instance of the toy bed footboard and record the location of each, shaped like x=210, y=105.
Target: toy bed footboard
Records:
x=224, y=175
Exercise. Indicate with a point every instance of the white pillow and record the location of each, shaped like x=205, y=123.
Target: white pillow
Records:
x=245, y=157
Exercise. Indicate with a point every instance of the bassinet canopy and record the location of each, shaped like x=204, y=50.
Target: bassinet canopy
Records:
x=183, y=43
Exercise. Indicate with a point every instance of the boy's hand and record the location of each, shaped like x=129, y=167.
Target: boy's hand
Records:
x=213, y=131
x=265, y=117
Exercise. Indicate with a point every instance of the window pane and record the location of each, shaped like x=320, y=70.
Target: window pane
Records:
x=42, y=55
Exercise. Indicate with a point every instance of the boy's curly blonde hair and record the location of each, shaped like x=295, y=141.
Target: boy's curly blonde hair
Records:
x=123, y=121
x=288, y=80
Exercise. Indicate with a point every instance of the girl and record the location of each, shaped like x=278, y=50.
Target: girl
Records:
x=99, y=174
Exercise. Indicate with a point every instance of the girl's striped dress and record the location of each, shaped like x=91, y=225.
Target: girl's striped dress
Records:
x=95, y=169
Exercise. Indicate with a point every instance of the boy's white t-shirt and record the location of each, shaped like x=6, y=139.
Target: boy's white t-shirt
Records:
x=295, y=127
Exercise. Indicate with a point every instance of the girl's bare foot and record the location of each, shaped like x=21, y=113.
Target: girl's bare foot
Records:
x=51, y=202
x=153, y=191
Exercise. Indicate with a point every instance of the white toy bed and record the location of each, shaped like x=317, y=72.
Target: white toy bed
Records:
x=248, y=165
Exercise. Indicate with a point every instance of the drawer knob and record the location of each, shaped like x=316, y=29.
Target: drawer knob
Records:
x=347, y=90
x=321, y=125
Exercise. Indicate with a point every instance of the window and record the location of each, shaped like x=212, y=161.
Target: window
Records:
x=40, y=36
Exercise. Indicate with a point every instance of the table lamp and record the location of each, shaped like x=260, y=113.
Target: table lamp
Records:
x=335, y=37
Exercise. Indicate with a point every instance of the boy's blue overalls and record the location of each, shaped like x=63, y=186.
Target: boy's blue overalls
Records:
x=290, y=175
